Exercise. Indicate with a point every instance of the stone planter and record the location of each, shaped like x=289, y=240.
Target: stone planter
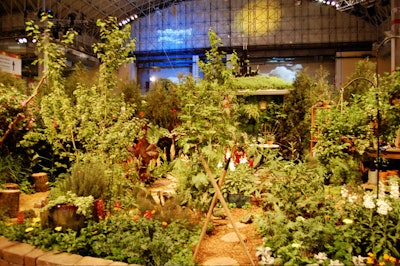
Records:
x=9, y=202
x=63, y=216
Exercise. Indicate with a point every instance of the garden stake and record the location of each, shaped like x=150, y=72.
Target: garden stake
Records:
x=225, y=206
x=211, y=209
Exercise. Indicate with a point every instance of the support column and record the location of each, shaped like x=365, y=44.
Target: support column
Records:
x=195, y=67
x=395, y=30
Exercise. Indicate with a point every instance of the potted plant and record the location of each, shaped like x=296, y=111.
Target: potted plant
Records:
x=67, y=211
x=239, y=184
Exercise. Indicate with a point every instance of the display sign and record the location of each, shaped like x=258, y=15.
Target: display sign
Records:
x=10, y=63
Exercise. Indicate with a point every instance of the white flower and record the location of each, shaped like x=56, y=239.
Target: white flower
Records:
x=383, y=207
x=232, y=166
x=344, y=192
x=359, y=261
x=381, y=190
x=352, y=198
x=320, y=257
x=263, y=251
x=243, y=160
x=227, y=154
x=336, y=263
x=267, y=260
x=220, y=165
x=368, y=201
x=265, y=256
x=394, y=188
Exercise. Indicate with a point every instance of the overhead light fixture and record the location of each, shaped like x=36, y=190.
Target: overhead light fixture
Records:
x=126, y=20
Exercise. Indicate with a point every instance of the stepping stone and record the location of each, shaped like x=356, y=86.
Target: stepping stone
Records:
x=248, y=219
x=238, y=225
x=220, y=261
x=232, y=237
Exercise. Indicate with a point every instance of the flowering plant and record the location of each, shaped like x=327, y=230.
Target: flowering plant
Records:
x=338, y=226
x=84, y=204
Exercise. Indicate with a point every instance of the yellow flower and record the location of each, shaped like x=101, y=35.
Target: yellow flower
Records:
x=58, y=228
x=10, y=224
x=296, y=245
x=382, y=263
x=327, y=217
x=386, y=256
x=393, y=260
x=347, y=221
x=27, y=230
x=371, y=255
x=164, y=223
x=370, y=260
x=153, y=211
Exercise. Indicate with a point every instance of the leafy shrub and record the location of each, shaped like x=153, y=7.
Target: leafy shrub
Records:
x=138, y=240
x=87, y=178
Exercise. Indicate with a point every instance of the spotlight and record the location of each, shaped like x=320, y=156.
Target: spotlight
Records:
x=22, y=40
x=153, y=78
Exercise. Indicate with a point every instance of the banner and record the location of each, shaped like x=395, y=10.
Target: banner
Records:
x=10, y=63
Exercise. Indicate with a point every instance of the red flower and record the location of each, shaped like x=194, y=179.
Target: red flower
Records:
x=237, y=156
x=251, y=162
x=141, y=114
x=101, y=213
x=20, y=217
x=148, y=214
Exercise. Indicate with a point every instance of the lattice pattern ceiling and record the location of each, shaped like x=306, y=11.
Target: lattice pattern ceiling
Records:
x=88, y=10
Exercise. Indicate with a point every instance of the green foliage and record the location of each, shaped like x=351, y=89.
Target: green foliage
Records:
x=389, y=93
x=365, y=70
x=296, y=125
x=16, y=117
x=344, y=133
x=116, y=48
x=87, y=179
x=302, y=184
x=161, y=104
x=96, y=119
x=193, y=188
x=13, y=169
x=214, y=67
x=84, y=204
x=322, y=90
x=240, y=181
x=137, y=239
x=260, y=83
x=208, y=111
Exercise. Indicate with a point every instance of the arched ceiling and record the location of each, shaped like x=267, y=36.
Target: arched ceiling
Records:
x=89, y=10
x=374, y=11
x=83, y=14
x=78, y=14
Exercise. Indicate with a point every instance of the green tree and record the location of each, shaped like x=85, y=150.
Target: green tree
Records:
x=96, y=120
